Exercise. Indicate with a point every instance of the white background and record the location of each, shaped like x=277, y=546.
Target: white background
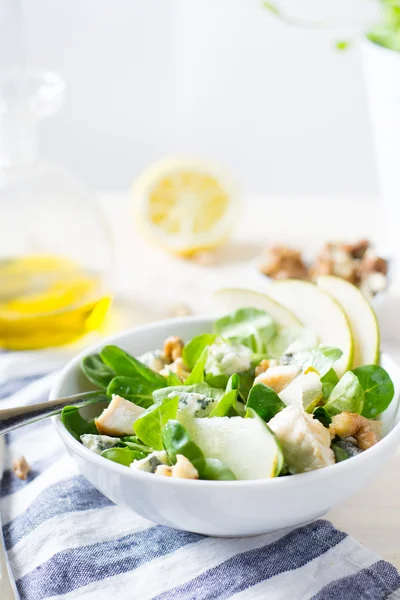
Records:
x=221, y=79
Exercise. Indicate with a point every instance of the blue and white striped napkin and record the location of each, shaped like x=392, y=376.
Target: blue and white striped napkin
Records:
x=66, y=540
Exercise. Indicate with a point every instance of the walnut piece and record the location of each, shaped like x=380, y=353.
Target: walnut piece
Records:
x=178, y=367
x=365, y=431
x=173, y=347
x=281, y=262
x=21, y=468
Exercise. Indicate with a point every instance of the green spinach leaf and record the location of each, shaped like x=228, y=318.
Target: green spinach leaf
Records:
x=123, y=456
x=192, y=350
x=135, y=389
x=125, y=364
x=149, y=426
x=75, y=423
x=329, y=380
x=340, y=453
x=215, y=470
x=347, y=395
x=264, y=401
x=96, y=371
x=322, y=415
x=173, y=379
x=378, y=389
x=249, y=326
x=197, y=374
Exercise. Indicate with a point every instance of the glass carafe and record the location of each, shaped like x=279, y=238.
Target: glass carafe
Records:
x=55, y=249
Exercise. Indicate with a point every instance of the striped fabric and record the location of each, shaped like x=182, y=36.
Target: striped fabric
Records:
x=66, y=540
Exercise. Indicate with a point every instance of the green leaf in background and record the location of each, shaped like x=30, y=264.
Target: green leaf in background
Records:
x=249, y=326
x=322, y=416
x=378, y=389
x=149, y=426
x=272, y=8
x=75, y=423
x=347, y=396
x=229, y=406
x=192, y=350
x=125, y=364
x=123, y=456
x=342, y=44
x=197, y=374
x=329, y=380
x=387, y=32
x=264, y=401
x=96, y=371
x=135, y=389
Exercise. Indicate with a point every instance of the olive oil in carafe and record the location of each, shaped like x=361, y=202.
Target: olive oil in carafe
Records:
x=48, y=301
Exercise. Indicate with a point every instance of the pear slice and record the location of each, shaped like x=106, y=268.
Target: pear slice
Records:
x=247, y=446
x=228, y=300
x=361, y=316
x=318, y=311
x=304, y=392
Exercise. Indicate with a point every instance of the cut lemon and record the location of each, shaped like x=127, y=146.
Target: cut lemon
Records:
x=185, y=205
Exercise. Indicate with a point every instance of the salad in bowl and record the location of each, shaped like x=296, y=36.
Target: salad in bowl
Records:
x=256, y=396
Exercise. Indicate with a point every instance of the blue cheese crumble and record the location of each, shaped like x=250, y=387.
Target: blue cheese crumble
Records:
x=155, y=360
x=98, y=443
x=228, y=358
x=151, y=462
x=196, y=405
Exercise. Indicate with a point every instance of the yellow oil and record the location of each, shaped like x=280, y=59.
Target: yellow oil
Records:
x=48, y=301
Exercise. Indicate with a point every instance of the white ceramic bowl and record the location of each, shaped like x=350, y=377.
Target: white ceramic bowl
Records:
x=220, y=508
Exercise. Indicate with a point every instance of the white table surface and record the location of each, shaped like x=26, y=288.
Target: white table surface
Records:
x=152, y=281
x=149, y=283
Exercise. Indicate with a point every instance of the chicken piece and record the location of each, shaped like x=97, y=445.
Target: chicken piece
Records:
x=366, y=432
x=183, y=469
x=281, y=262
x=264, y=365
x=21, y=468
x=278, y=377
x=305, y=441
x=118, y=418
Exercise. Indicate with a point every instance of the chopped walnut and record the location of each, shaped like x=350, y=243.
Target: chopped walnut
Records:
x=21, y=468
x=373, y=264
x=334, y=259
x=358, y=249
x=365, y=431
x=173, y=348
x=265, y=364
x=281, y=262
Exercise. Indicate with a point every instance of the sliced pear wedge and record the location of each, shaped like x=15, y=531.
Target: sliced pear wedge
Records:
x=228, y=300
x=361, y=316
x=318, y=311
x=303, y=392
x=247, y=446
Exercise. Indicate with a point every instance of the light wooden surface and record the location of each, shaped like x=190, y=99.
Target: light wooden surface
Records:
x=152, y=282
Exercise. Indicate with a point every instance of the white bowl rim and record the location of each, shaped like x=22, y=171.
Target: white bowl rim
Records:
x=289, y=481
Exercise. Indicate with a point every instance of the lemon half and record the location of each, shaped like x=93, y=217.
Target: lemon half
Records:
x=186, y=205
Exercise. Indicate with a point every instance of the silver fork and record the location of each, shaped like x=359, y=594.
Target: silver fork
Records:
x=12, y=418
